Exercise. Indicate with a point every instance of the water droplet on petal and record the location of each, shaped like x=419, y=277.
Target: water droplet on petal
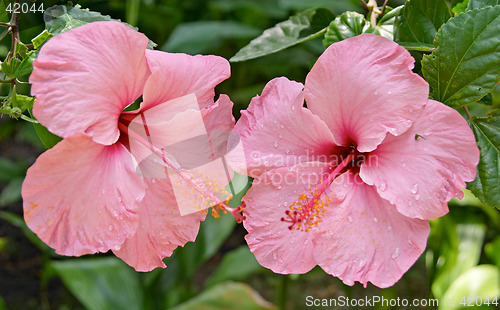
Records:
x=414, y=189
x=410, y=203
x=279, y=187
x=404, y=164
x=282, y=126
x=376, y=92
x=389, y=228
x=117, y=247
x=262, y=125
x=153, y=180
x=349, y=219
x=417, y=197
x=280, y=136
x=306, y=241
x=383, y=186
x=287, y=151
x=110, y=227
x=275, y=143
x=330, y=232
x=292, y=240
x=275, y=256
x=395, y=254
x=103, y=191
x=389, y=92
x=115, y=213
x=375, y=220
x=280, y=260
x=409, y=121
x=293, y=107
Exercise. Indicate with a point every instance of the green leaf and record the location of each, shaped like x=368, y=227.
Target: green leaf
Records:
x=25, y=67
x=9, y=67
x=207, y=35
x=479, y=4
x=18, y=222
x=347, y=25
x=15, y=67
x=420, y=20
x=456, y=2
x=492, y=249
x=460, y=249
x=48, y=139
x=11, y=192
x=22, y=102
x=236, y=265
x=40, y=39
x=461, y=7
x=21, y=49
x=101, y=283
x=351, y=24
x=385, y=25
x=228, y=296
x=61, y=18
x=486, y=186
x=213, y=232
x=487, y=100
x=466, y=62
x=298, y=28
x=10, y=170
x=3, y=306
x=4, y=16
x=335, y=6
x=479, y=282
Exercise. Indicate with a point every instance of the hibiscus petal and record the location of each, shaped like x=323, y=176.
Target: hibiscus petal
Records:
x=274, y=245
x=365, y=239
x=161, y=228
x=277, y=131
x=423, y=168
x=177, y=75
x=81, y=197
x=363, y=87
x=84, y=78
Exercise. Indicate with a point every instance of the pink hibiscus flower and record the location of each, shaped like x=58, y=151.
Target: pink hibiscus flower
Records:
x=349, y=182
x=94, y=191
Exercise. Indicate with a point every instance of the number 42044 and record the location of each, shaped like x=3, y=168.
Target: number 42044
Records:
x=24, y=8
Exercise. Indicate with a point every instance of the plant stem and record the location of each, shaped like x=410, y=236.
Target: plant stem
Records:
x=14, y=29
x=132, y=12
x=383, y=7
x=282, y=292
x=375, y=12
x=467, y=113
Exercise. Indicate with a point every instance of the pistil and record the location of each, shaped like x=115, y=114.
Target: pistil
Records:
x=308, y=210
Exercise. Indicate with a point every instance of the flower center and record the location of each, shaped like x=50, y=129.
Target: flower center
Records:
x=308, y=210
